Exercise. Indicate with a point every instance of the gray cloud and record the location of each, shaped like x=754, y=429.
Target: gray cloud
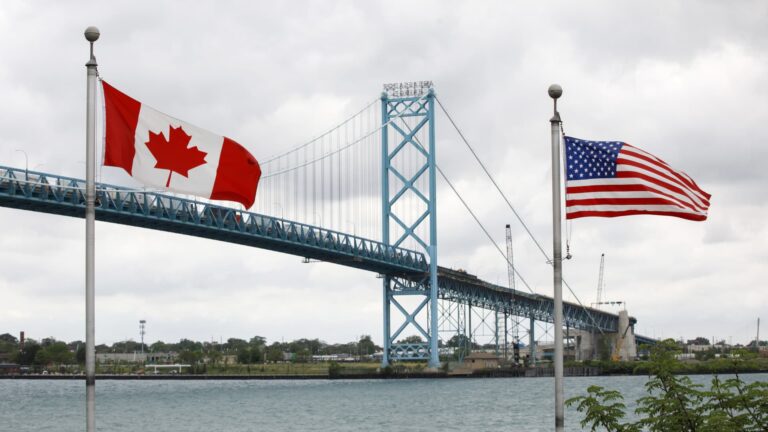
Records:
x=685, y=81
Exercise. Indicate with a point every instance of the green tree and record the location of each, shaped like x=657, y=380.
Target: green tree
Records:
x=188, y=345
x=126, y=346
x=58, y=353
x=303, y=356
x=243, y=356
x=275, y=353
x=257, y=341
x=235, y=345
x=80, y=354
x=698, y=341
x=256, y=348
x=414, y=339
x=603, y=408
x=8, y=348
x=214, y=356
x=365, y=345
x=460, y=341
x=47, y=341
x=190, y=357
x=674, y=403
x=159, y=346
x=27, y=356
x=9, y=338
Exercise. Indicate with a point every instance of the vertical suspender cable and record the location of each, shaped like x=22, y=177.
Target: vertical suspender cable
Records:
x=314, y=183
x=322, y=181
x=304, y=172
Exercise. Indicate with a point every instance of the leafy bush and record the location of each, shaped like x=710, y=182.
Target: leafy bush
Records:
x=334, y=369
x=674, y=403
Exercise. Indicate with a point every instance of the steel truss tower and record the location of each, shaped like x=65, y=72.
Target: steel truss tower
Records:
x=407, y=111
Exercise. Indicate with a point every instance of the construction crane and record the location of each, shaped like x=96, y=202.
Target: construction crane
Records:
x=510, y=259
x=598, y=301
x=600, y=286
x=600, y=280
x=511, y=277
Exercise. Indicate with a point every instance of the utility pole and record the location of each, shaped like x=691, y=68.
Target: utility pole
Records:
x=142, y=332
x=757, y=338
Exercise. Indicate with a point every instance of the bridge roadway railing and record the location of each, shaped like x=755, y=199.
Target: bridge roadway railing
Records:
x=461, y=287
x=48, y=193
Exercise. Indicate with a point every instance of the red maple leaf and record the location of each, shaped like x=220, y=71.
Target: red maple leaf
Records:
x=173, y=154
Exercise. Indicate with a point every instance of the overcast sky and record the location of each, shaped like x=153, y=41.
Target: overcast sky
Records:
x=686, y=81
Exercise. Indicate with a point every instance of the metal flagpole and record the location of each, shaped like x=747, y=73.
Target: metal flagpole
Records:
x=91, y=35
x=555, y=91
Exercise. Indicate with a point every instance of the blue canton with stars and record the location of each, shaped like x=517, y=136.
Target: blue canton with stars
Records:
x=586, y=160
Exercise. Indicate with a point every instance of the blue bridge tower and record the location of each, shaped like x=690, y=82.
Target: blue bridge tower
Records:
x=407, y=111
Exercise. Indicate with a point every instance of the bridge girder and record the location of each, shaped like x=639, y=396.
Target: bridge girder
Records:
x=48, y=193
x=65, y=196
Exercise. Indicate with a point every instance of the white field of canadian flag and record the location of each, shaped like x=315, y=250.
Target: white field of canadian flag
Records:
x=164, y=152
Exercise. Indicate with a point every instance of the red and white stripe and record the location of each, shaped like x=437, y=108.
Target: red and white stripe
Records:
x=644, y=184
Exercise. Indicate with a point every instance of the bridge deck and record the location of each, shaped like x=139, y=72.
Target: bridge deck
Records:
x=59, y=195
x=462, y=287
x=65, y=196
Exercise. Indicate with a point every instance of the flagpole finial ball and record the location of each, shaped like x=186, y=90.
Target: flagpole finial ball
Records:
x=555, y=91
x=92, y=34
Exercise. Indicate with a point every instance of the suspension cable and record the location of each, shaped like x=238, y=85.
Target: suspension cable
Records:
x=466, y=206
x=338, y=149
x=477, y=220
x=300, y=146
x=511, y=207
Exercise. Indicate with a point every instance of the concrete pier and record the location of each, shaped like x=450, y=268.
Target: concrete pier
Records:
x=593, y=346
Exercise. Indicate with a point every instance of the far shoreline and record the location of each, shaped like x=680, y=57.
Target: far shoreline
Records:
x=304, y=377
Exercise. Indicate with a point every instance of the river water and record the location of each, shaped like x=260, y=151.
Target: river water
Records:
x=497, y=404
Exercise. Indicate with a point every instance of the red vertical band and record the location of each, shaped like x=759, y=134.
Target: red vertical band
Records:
x=122, y=115
x=237, y=175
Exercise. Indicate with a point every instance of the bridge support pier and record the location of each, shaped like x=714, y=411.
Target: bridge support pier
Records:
x=532, y=341
x=387, y=343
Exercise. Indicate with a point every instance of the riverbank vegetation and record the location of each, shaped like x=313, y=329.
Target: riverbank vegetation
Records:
x=746, y=362
x=675, y=403
x=313, y=357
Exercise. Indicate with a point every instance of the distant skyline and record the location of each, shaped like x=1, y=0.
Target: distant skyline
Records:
x=686, y=81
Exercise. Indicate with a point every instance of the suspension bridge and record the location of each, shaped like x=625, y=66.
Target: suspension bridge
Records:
x=374, y=174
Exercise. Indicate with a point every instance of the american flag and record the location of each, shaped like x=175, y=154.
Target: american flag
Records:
x=611, y=178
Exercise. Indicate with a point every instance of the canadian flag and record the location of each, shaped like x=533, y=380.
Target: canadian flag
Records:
x=161, y=151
